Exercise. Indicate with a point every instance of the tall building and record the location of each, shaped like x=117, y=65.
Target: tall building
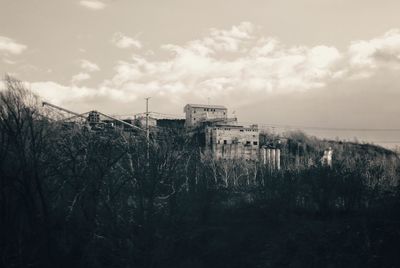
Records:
x=198, y=113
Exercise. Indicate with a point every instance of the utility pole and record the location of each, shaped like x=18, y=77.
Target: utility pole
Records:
x=147, y=130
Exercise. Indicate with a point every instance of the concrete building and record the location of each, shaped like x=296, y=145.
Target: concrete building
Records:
x=198, y=113
x=232, y=141
x=224, y=139
x=141, y=119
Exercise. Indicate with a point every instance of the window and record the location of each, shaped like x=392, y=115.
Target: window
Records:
x=255, y=143
x=205, y=109
x=225, y=142
x=248, y=142
x=241, y=130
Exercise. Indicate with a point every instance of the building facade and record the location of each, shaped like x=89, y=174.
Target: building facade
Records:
x=141, y=119
x=232, y=142
x=198, y=113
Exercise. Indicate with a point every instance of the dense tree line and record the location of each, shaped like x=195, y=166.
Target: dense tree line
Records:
x=71, y=197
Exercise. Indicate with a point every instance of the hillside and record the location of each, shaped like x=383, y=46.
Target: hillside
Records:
x=73, y=197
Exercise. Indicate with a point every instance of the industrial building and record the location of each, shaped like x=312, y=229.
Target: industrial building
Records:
x=141, y=120
x=199, y=113
x=218, y=136
x=224, y=138
x=232, y=141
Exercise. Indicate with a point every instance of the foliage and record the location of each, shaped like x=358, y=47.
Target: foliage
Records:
x=71, y=197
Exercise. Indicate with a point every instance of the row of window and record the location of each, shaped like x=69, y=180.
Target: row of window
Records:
x=236, y=142
x=241, y=130
x=207, y=110
x=249, y=130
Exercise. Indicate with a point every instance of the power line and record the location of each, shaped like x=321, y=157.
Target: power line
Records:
x=326, y=128
x=179, y=116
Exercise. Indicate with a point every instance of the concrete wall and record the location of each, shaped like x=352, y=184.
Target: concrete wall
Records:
x=233, y=142
x=196, y=115
x=142, y=120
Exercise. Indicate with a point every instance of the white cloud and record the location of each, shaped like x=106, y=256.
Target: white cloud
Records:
x=381, y=50
x=80, y=77
x=122, y=41
x=237, y=65
x=230, y=40
x=58, y=94
x=254, y=64
x=9, y=45
x=61, y=94
x=89, y=66
x=92, y=4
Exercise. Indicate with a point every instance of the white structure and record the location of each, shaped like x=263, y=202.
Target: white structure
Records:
x=271, y=157
x=326, y=159
x=197, y=113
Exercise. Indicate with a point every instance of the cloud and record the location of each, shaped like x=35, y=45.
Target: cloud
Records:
x=80, y=77
x=376, y=52
x=225, y=62
x=9, y=45
x=92, y=4
x=89, y=66
x=79, y=95
x=238, y=67
x=122, y=41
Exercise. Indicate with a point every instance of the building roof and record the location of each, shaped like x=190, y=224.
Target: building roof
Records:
x=206, y=106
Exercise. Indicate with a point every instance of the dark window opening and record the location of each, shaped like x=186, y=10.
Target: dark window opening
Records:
x=255, y=143
x=225, y=142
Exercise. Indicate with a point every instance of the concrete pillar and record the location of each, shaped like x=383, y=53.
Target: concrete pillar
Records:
x=263, y=154
x=278, y=159
x=273, y=158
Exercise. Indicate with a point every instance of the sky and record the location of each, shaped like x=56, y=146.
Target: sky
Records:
x=329, y=67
